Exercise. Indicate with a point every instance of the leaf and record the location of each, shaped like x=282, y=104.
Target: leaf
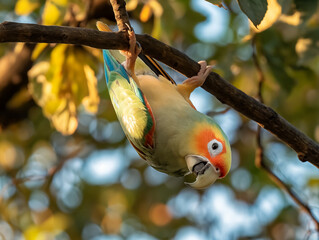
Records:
x=146, y=13
x=307, y=46
x=63, y=85
x=25, y=7
x=273, y=13
x=151, y=7
x=8, y=157
x=157, y=10
x=54, y=225
x=38, y=50
x=131, y=5
x=157, y=28
x=254, y=9
x=91, y=101
x=281, y=57
x=65, y=118
x=54, y=11
x=38, y=86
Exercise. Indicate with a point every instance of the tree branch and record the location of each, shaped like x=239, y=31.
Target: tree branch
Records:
x=306, y=148
x=120, y=14
x=259, y=157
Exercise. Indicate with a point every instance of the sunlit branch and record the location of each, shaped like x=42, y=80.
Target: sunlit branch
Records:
x=305, y=147
x=259, y=157
x=120, y=14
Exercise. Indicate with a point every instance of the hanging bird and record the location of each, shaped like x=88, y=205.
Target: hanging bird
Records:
x=159, y=119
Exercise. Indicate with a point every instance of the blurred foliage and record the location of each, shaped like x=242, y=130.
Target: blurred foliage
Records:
x=90, y=184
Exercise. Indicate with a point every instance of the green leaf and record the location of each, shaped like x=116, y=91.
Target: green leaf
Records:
x=254, y=9
x=281, y=57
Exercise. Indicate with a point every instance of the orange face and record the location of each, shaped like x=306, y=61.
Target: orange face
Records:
x=211, y=143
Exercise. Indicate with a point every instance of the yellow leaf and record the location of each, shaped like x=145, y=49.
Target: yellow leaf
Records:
x=293, y=20
x=48, y=229
x=38, y=50
x=302, y=46
x=38, y=69
x=156, y=31
x=146, y=13
x=91, y=101
x=65, y=121
x=156, y=8
x=55, y=74
x=25, y=7
x=57, y=222
x=32, y=232
x=54, y=11
x=131, y=5
x=60, y=2
x=20, y=98
x=61, y=86
x=38, y=86
x=8, y=155
x=53, y=105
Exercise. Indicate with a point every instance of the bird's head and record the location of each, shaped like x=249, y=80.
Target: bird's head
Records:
x=209, y=155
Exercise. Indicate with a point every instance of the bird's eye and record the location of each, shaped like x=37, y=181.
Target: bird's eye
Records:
x=215, y=147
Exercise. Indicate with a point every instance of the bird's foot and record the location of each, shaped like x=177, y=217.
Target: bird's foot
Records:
x=132, y=53
x=200, y=78
x=189, y=85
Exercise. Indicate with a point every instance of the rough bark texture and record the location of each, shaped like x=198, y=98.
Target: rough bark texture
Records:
x=120, y=14
x=306, y=148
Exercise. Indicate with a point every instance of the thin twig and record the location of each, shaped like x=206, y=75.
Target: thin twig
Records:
x=120, y=14
x=259, y=157
x=305, y=147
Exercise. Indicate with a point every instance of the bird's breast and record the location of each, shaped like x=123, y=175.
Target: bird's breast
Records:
x=171, y=113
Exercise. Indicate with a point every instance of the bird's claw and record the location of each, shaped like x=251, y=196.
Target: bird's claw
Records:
x=134, y=50
x=200, y=78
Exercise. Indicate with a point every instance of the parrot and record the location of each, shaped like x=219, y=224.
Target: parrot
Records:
x=158, y=118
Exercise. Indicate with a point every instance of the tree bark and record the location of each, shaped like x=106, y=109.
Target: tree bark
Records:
x=306, y=148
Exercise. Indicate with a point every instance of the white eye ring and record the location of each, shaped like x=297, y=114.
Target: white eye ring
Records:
x=214, y=147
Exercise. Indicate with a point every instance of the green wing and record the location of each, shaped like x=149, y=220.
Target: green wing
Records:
x=131, y=106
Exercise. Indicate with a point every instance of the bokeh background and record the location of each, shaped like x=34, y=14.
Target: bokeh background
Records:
x=67, y=170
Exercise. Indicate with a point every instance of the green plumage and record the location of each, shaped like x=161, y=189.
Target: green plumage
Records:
x=130, y=106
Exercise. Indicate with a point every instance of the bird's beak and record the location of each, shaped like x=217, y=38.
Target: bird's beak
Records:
x=206, y=173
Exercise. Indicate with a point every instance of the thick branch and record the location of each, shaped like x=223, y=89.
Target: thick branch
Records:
x=306, y=148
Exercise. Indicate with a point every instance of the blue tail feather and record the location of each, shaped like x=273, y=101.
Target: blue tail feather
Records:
x=112, y=65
